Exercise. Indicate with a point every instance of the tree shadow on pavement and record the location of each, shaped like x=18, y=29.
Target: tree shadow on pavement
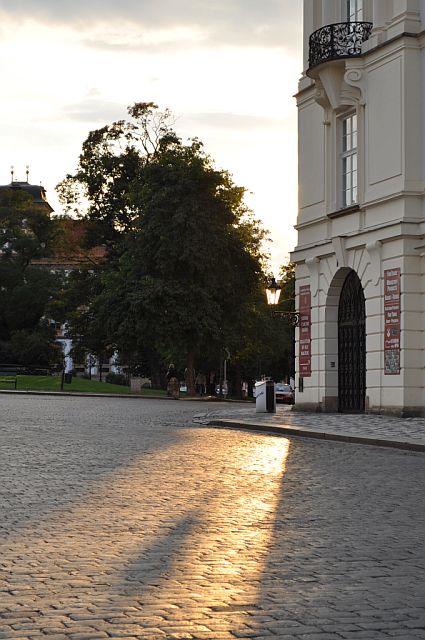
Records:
x=347, y=553
x=56, y=452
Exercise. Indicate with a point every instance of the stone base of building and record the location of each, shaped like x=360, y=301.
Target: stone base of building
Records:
x=399, y=412
x=331, y=406
x=308, y=407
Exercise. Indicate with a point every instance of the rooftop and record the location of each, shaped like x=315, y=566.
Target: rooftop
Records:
x=37, y=192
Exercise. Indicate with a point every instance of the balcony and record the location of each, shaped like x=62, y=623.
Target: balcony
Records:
x=336, y=41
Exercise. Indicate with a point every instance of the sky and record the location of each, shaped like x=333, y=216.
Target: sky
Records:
x=227, y=69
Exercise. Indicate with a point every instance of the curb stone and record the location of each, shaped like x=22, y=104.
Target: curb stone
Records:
x=323, y=435
x=131, y=396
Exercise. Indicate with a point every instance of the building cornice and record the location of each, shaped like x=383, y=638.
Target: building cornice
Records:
x=361, y=209
x=399, y=36
x=395, y=230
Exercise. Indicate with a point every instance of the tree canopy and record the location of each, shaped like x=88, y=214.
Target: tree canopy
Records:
x=27, y=234
x=186, y=261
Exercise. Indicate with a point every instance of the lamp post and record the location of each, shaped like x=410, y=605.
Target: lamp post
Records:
x=273, y=291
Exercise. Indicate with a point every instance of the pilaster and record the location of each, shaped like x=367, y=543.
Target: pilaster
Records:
x=406, y=18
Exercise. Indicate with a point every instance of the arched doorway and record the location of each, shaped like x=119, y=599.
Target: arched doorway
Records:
x=351, y=346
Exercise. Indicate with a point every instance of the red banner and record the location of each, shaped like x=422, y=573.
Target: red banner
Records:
x=305, y=332
x=392, y=322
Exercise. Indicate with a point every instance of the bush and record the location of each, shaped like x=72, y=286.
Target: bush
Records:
x=36, y=348
x=117, y=378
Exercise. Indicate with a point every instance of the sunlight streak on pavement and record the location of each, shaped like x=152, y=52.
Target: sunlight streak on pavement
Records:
x=174, y=541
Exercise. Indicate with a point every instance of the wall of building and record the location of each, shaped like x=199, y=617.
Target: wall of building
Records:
x=386, y=88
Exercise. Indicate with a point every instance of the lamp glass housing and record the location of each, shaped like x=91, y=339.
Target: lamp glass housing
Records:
x=273, y=293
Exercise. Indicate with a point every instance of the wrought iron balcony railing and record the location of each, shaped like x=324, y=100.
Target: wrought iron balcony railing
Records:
x=334, y=41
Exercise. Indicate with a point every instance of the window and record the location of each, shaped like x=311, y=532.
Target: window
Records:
x=354, y=10
x=349, y=160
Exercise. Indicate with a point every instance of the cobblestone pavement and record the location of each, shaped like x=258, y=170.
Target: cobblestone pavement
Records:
x=124, y=519
x=410, y=430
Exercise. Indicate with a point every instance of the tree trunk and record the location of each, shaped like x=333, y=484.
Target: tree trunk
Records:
x=100, y=358
x=190, y=373
x=238, y=381
x=156, y=379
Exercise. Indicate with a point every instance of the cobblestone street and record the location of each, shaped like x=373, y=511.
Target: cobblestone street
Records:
x=122, y=518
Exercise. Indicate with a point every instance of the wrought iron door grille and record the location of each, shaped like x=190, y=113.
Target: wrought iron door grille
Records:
x=351, y=346
x=334, y=41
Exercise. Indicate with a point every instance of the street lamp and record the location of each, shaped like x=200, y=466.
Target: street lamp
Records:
x=273, y=291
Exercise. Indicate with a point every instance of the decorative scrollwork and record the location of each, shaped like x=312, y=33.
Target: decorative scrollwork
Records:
x=341, y=40
x=293, y=317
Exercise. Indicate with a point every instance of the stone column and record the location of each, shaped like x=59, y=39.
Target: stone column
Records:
x=406, y=18
x=330, y=13
x=380, y=16
x=380, y=13
x=405, y=6
x=308, y=27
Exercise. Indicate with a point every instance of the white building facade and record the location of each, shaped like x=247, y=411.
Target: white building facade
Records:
x=360, y=257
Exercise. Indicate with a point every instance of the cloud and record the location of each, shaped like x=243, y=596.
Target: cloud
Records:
x=94, y=111
x=226, y=68
x=128, y=38
x=99, y=112
x=266, y=22
x=233, y=121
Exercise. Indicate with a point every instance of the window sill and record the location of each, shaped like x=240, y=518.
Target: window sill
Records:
x=343, y=212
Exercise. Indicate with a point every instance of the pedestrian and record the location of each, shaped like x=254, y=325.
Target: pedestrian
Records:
x=201, y=383
x=173, y=384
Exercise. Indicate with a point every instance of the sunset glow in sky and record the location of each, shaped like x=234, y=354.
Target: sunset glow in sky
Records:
x=227, y=69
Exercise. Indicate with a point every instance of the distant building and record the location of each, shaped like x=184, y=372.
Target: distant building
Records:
x=68, y=256
x=71, y=254
x=37, y=193
x=361, y=225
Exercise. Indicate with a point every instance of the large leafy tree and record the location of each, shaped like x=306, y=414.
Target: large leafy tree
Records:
x=26, y=235
x=184, y=251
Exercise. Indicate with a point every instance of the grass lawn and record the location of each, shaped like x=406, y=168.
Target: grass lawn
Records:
x=81, y=385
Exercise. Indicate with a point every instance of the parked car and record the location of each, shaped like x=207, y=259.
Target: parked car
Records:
x=284, y=393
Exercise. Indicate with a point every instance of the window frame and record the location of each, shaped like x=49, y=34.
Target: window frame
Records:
x=354, y=10
x=348, y=159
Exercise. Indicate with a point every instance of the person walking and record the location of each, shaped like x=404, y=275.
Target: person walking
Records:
x=173, y=384
x=201, y=383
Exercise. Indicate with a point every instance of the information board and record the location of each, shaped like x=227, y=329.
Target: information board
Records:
x=392, y=322
x=305, y=331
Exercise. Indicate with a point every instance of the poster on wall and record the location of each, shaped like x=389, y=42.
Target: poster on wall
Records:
x=392, y=322
x=305, y=332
